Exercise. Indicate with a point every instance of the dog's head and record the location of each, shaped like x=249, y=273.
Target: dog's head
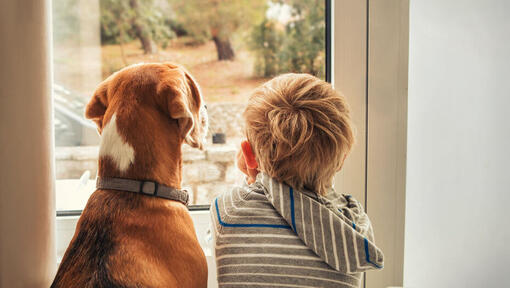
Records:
x=157, y=89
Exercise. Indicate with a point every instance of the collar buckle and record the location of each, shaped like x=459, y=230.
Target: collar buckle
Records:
x=148, y=187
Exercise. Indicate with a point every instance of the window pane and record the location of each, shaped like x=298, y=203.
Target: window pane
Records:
x=229, y=46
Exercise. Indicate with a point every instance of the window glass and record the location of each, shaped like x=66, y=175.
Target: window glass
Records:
x=229, y=46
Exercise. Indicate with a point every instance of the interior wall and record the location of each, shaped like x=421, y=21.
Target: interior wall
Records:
x=458, y=176
x=27, y=204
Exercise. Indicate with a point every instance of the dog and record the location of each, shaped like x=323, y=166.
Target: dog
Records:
x=144, y=113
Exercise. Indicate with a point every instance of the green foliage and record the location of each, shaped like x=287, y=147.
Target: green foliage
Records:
x=115, y=18
x=266, y=40
x=296, y=45
x=120, y=17
x=203, y=19
x=293, y=43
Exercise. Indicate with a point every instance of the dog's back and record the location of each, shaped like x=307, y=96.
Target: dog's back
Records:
x=125, y=240
x=86, y=261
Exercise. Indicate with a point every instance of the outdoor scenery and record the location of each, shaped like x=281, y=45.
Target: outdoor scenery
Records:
x=229, y=46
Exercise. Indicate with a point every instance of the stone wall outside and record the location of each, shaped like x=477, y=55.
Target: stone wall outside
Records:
x=226, y=118
x=205, y=173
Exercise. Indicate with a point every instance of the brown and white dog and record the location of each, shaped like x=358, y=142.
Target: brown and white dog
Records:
x=144, y=114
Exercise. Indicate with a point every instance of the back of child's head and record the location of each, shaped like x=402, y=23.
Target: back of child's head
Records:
x=300, y=130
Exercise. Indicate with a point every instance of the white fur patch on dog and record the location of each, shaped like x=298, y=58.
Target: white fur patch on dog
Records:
x=115, y=146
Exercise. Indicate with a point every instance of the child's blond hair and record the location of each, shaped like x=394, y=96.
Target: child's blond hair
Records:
x=300, y=130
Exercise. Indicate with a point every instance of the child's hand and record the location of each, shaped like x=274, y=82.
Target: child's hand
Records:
x=241, y=164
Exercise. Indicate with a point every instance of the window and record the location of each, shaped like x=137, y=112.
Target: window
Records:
x=230, y=47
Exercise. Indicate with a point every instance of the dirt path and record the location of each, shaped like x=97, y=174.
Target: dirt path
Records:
x=220, y=81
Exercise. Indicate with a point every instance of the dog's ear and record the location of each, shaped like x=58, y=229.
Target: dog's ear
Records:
x=196, y=137
x=173, y=89
x=96, y=108
x=184, y=102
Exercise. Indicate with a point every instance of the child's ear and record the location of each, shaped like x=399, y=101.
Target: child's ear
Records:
x=248, y=154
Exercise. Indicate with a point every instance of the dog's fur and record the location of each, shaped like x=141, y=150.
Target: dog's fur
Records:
x=144, y=113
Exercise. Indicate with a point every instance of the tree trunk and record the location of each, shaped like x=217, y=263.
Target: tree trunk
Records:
x=141, y=33
x=121, y=44
x=145, y=40
x=224, y=49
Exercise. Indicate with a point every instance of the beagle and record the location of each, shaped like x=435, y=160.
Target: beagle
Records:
x=135, y=230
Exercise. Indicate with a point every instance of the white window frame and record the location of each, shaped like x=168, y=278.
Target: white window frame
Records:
x=370, y=59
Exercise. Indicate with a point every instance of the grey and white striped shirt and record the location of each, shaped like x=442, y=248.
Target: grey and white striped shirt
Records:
x=269, y=235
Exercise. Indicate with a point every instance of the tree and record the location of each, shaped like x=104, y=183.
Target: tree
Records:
x=266, y=41
x=123, y=20
x=306, y=37
x=218, y=20
x=140, y=25
x=115, y=17
x=223, y=46
x=295, y=44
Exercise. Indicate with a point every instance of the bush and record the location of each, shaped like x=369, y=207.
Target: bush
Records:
x=266, y=42
x=295, y=46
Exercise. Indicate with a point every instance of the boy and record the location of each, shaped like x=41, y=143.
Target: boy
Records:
x=286, y=226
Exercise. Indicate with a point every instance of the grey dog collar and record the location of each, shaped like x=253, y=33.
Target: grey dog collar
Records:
x=144, y=187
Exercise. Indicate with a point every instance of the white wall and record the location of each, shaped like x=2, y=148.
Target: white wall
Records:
x=458, y=169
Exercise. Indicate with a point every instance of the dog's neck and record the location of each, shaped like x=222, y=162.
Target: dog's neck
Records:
x=162, y=171
x=141, y=154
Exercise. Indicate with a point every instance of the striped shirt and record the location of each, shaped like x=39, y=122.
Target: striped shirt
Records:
x=269, y=235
